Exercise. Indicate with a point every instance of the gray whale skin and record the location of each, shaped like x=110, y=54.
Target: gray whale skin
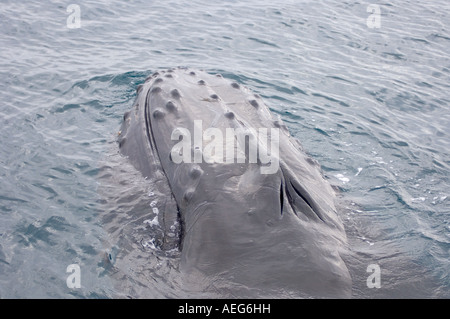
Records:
x=240, y=233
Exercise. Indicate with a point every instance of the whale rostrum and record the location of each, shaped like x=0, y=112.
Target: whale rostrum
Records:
x=255, y=217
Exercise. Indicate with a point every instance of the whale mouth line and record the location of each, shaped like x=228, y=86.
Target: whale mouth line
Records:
x=186, y=231
x=154, y=147
x=281, y=198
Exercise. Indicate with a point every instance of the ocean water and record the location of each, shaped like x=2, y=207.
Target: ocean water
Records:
x=363, y=86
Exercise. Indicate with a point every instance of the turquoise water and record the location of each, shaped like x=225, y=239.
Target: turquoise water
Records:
x=370, y=104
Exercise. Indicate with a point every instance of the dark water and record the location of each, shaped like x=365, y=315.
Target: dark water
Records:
x=370, y=104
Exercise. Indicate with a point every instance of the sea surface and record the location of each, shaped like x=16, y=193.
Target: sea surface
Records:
x=364, y=86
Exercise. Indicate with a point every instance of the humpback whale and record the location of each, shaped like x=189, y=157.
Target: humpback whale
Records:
x=249, y=210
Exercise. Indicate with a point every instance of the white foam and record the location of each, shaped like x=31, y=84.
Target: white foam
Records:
x=149, y=244
x=342, y=178
x=153, y=222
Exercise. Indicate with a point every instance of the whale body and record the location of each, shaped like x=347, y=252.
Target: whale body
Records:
x=247, y=223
